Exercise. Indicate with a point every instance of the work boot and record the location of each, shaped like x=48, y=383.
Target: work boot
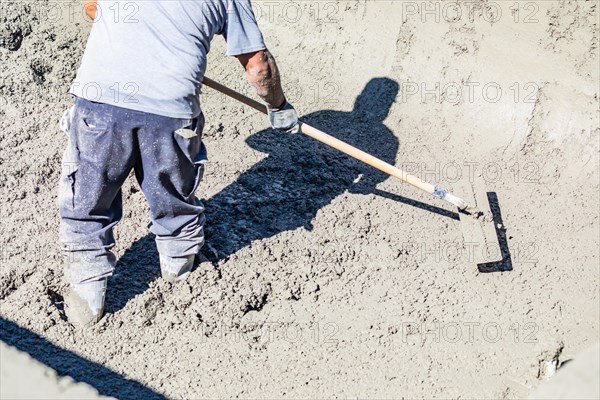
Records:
x=84, y=302
x=176, y=269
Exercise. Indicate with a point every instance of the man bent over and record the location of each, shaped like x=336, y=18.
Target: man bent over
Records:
x=137, y=107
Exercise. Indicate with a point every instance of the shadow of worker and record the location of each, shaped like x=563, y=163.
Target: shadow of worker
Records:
x=300, y=175
x=282, y=192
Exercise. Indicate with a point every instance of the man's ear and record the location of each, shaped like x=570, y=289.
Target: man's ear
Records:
x=90, y=8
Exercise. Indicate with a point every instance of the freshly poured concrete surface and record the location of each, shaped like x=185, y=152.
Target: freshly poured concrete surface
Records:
x=327, y=278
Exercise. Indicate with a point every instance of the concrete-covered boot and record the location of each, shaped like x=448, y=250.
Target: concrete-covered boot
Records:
x=175, y=269
x=84, y=302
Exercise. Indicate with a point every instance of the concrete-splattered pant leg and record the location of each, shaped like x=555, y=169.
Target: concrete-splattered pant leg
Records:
x=105, y=144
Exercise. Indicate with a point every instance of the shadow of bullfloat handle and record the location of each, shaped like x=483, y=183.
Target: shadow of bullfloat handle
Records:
x=475, y=217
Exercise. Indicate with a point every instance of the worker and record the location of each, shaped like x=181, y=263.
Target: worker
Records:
x=136, y=106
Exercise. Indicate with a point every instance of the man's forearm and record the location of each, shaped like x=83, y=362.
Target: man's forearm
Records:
x=263, y=75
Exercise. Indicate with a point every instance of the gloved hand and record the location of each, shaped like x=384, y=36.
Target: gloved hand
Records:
x=284, y=118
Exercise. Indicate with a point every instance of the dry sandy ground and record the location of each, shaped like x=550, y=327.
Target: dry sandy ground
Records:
x=326, y=279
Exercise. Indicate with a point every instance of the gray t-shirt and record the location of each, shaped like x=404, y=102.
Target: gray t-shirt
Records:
x=151, y=55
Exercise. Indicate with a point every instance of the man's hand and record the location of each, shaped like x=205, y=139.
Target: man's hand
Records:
x=263, y=75
x=284, y=118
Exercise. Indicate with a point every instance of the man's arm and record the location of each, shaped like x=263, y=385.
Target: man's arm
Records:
x=90, y=8
x=263, y=75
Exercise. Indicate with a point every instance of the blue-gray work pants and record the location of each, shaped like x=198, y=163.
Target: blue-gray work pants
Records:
x=105, y=143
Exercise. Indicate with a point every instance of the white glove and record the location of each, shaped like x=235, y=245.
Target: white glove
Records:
x=284, y=118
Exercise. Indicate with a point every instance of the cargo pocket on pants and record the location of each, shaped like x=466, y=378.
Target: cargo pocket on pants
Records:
x=69, y=168
x=189, y=140
x=199, y=170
